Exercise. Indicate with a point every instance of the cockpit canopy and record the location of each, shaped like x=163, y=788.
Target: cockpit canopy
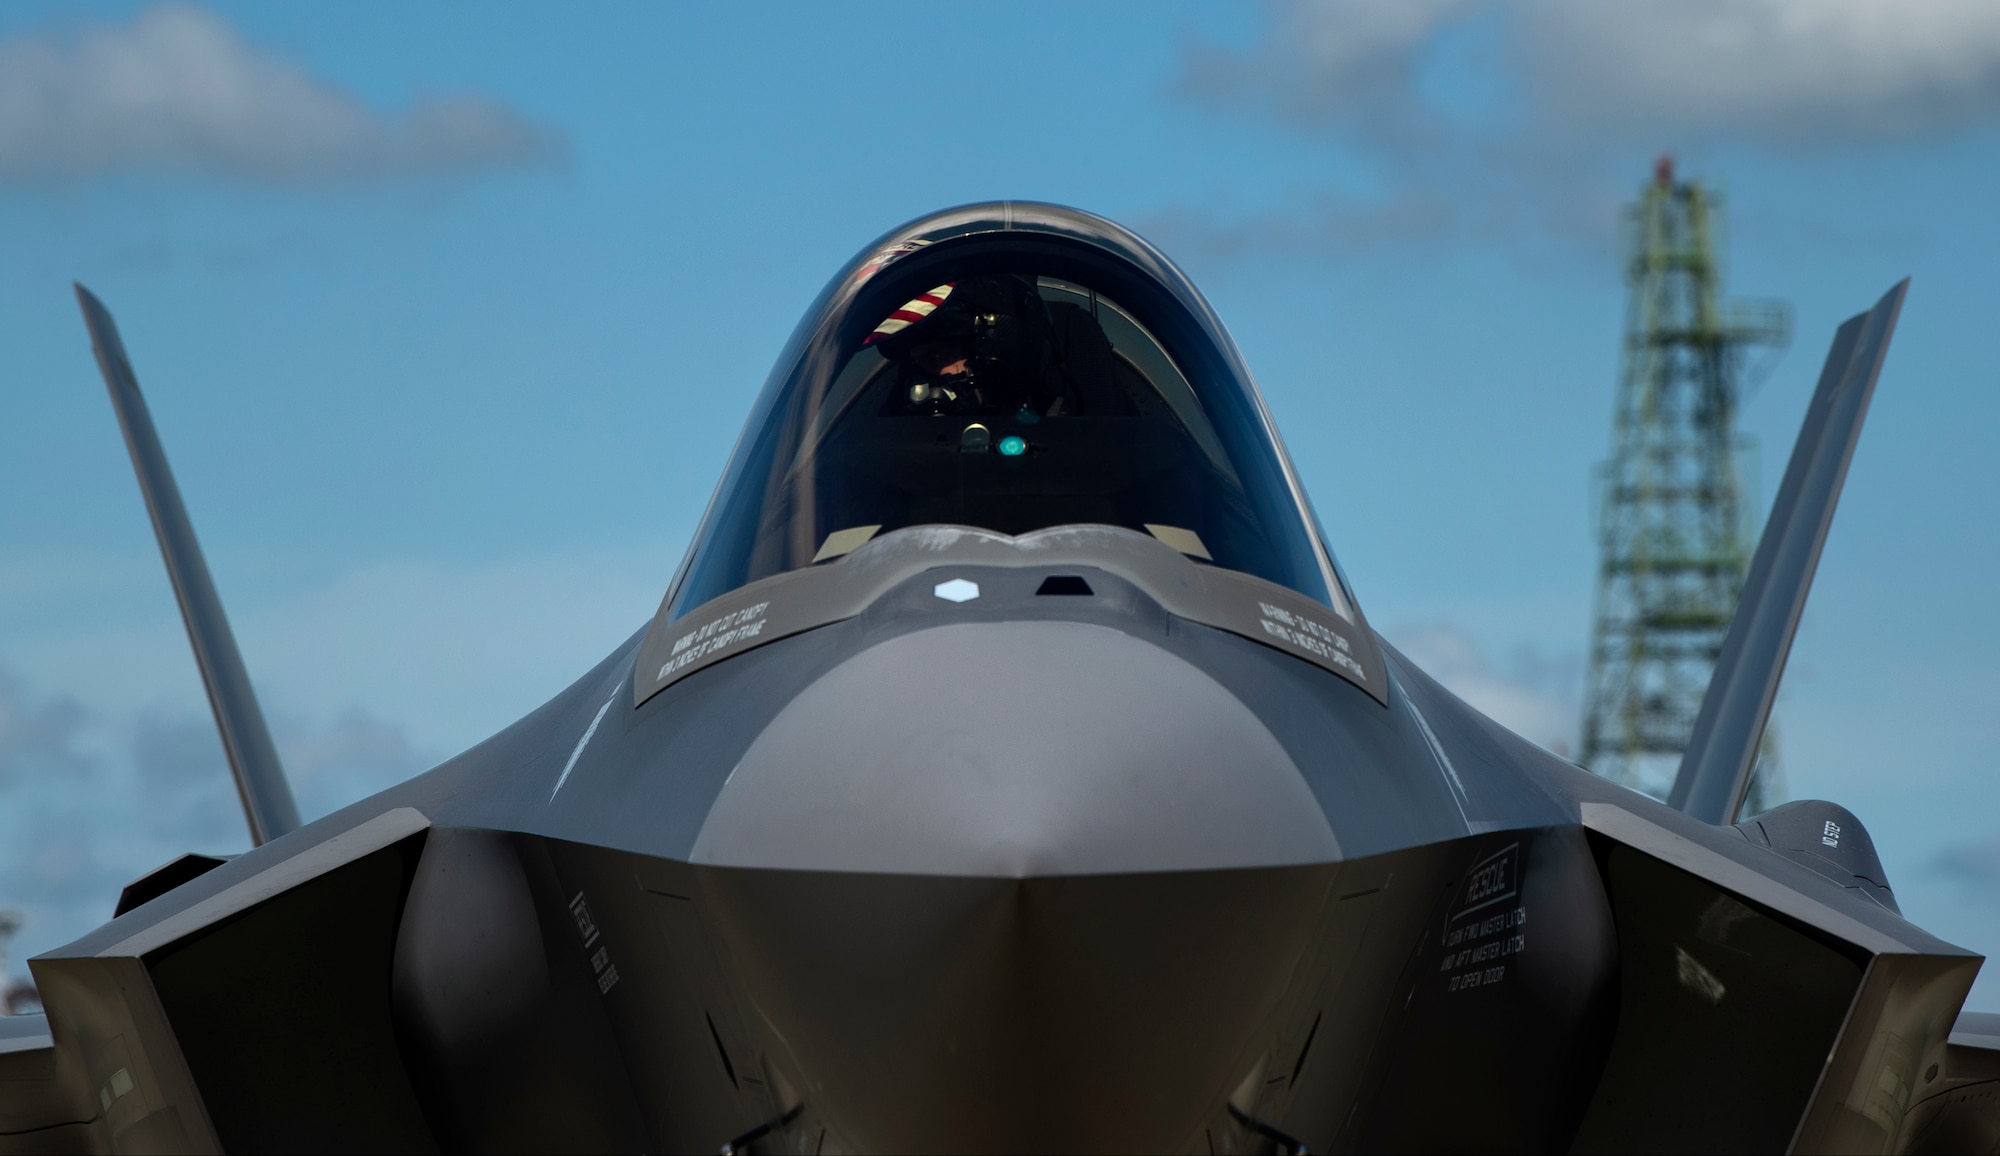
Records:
x=1010, y=367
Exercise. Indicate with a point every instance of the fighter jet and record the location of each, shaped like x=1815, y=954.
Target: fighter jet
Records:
x=1010, y=767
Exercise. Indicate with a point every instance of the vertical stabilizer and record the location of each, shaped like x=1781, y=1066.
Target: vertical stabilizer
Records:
x=260, y=780
x=1715, y=768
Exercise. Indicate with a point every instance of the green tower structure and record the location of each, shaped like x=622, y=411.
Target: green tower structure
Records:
x=1672, y=528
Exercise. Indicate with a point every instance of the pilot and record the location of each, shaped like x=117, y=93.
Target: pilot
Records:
x=981, y=344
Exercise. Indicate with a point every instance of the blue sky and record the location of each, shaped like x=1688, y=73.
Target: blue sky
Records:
x=448, y=318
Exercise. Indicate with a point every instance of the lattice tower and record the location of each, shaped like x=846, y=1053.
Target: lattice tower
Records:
x=1671, y=512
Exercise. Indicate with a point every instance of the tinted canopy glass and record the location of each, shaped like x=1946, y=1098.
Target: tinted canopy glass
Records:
x=1008, y=381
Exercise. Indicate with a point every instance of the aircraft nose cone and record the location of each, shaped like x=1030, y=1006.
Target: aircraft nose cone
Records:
x=1022, y=886
x=1013, y=750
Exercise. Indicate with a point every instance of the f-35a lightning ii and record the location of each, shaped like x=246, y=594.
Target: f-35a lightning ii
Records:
x=1009, y=767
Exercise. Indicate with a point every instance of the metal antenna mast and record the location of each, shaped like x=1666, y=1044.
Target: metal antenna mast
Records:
x=1673, y=537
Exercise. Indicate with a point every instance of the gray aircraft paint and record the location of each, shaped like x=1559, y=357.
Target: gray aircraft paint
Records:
x=894, y=878
x=1012, y=777
x=787, y=604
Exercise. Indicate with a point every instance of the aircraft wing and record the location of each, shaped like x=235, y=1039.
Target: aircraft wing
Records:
x=1748, y=985
x=1766, y=1000
x=198, y=981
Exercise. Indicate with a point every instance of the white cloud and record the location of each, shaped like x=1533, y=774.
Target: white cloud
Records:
x=1469, y=120
x=1780, y=71
x=90, y=801
x=38, y=734
x=1327, y=60
x=110, y=764
x=176, y=90
x=1531, y=694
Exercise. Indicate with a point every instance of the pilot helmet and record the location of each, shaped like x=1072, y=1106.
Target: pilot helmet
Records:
x=995, y=323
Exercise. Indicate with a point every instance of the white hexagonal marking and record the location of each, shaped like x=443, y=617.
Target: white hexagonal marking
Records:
x=956, y=590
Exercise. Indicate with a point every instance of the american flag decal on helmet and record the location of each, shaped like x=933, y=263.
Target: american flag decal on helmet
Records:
x=913, y=311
